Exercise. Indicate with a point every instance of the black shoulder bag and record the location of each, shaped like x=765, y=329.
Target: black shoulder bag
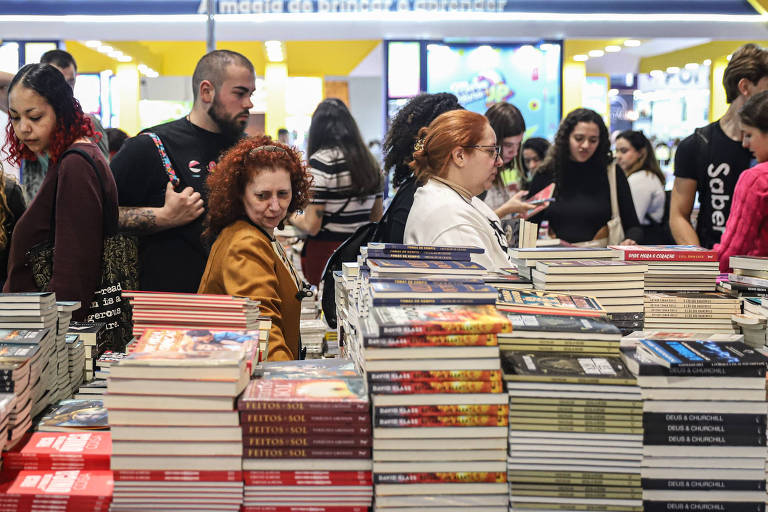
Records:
x=118, y=269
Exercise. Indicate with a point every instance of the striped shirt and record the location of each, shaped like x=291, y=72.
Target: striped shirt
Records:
x=342, y=214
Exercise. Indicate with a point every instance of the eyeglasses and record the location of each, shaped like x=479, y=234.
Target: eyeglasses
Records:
x=493, y=151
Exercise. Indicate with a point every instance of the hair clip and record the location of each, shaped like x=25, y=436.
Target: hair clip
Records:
x=270, y=148
x=419, y=146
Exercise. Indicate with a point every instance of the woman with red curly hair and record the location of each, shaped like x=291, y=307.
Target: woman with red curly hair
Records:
x=45, y=122
x=257, y=184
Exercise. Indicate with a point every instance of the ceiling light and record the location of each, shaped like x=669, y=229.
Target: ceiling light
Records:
x=613, y=48
x=115, y=54
x=707, y=62
x=632, y=43
x=580, y=58
x=125, y=58
x=105, y=48
x=692, y=66
x=596, y=53
x=673, y=69
x=93, y=44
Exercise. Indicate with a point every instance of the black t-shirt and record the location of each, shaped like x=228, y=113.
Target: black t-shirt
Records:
x=392, y=226
x=583, y=203
x=715, y=161
x=174, y=259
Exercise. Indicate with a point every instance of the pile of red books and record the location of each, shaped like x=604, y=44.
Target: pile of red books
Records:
x=61, y=451
x=58, y=491
x=307, y=438
x=187, y=490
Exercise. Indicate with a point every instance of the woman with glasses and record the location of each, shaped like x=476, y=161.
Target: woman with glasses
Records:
x=456, y=159
x=257, y=184
x=578, y=165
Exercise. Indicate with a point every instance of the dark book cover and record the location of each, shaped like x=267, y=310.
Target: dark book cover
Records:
x=539, y=301
x=383, y=267
x=308, y=441
x=687, y=418
x=704, y=440
x=307, y=429
x=563, y=367
x=432, y=300
x=384, y=246
x=304, y=417
x=307, y=453
x=23, y=335
x=561, y=323
x=710, y=506
x=265, y=395
x=417, y=320
x=418, y=255
x=672, y=353
x=307, y=477
x=682, y=484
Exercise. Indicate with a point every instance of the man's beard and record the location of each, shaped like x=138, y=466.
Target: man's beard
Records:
x=229, y=127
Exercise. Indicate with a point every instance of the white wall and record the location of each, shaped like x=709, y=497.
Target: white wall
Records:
x=367, y=106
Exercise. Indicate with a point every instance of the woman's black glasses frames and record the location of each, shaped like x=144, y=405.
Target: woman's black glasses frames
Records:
x=493, y=151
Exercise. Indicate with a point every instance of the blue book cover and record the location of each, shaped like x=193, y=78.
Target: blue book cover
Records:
x=699, y=353
x=431, y=300
x=424, y=267
x=382, y=246
x=417, y=255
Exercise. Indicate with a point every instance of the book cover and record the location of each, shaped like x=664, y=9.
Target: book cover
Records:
x=664, y=253
x=439, y=421
x=421, y=288
x=415, y=255
x=538, y=301
x=36, y=297
x=445, y=340
x=542, y=195
x=65, y=445
x=749, y=262
x=383, y=246
x=299, y=395
x=700, y=353
x=309, y=369
x=562, y=323
x=177, y=476
x=75, y=414
x=560, y=367
x=436, y=478
x=363, y=441
x=23, y=335
x=67, y=484
x=434, y=375
x=441, y=410
x=709, y=484
x=383, y=267
x=433, y=320
x=307, y=453
x=404, y=388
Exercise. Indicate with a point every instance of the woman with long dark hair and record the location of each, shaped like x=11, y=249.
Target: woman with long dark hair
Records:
x=347, y=187
x=45, y=121
x=578, y=163
x=635, y=156
x=534, y=151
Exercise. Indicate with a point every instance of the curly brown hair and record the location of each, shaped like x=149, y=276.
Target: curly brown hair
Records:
x=237, y=167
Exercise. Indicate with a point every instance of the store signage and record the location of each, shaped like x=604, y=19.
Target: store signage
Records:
x=243, y=7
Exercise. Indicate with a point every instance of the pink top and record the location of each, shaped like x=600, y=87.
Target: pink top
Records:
x=746, y=231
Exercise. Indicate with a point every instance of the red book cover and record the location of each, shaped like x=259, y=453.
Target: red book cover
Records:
x=63, y=446
x=302, y=418
x=309, y=429
x=68, y=484
x=308, y=478
x=435, y=375
x=308, y=442
x=439, y=478
x=442, y=410
x=440, y=421
x=177, y=476
x=347, y=394
x=665, y=253
x=445, y=340
x=428, y=387
x=307, y=453
x=542, y=195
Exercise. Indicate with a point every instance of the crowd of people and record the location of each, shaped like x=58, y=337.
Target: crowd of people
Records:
x=204, y=201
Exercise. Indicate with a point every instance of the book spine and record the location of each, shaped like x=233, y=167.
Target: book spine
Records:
x=307, y=442
x=484, y=340
x=393, y=254
x=441, y=328
x=428, y=387
x=704, y=440
x=307, y=453
x=723, y=371
x=311, y=475
x=745, y=420
x=302, y=508
x=283, y=418
x=441, y=410
x=304, y=429
x=421, y=248
x=178, y=476
x=440, y=421
x=674, y=484
x=439, y=478
x=640, y=255
x=718, y=506
x=435, y=375
x=289, y=408
x=436, y=300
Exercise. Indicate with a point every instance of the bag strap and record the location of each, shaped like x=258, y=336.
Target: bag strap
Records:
x=109, y=230
x=174, y=179
x=614, y=194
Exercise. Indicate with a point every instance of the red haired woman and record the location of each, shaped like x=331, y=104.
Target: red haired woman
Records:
x=257, y=184
x=46, y=121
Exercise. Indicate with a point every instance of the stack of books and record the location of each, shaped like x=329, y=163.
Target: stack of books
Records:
x=704, y=423
x=527, y=258
x=171, y=405
x=76, y=357
x=166, y=310
x=674, y=267
x=617, y=285
x=81, y=491
x=549, y=303
x=312, y=336
x=74, y=415
x=439, y=412
x=22, y=362
x=64, y=311
x=748, y=279
x=94, y=338
x=36, y=310
x=690, y=311
x=307, y=438
x=45, y=451
x=575, y=431
x=6, y=406
x=753, y=320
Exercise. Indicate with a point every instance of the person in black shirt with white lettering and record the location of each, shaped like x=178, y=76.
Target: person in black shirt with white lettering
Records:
x=165, y=207
x=711, y=160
